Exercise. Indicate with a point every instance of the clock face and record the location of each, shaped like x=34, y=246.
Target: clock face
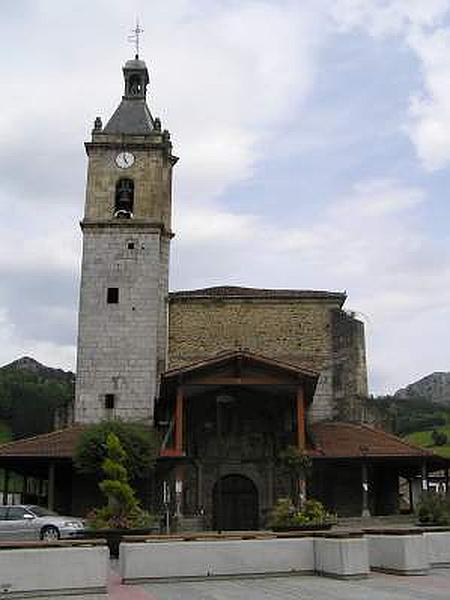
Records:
x=124, y=160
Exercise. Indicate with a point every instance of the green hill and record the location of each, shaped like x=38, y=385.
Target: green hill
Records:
x=30, y=395
x=424, y=438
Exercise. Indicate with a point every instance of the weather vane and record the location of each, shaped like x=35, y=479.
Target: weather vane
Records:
x=134, y=37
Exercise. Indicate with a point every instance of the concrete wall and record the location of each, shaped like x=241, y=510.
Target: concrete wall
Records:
x=44, y=572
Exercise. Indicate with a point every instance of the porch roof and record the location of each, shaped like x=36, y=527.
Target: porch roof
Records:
x=246, y=358
x=352, y=440
x=56, y=444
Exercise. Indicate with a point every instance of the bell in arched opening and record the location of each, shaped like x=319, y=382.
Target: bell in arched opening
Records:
x=124, y=199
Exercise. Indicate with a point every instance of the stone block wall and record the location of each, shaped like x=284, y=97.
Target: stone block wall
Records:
x=118, y=343
x=315, y=333
x=151, y=174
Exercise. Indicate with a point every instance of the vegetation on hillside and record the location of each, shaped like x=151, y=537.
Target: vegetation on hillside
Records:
x=30, y=397
x=417, y=419
x=407, y=415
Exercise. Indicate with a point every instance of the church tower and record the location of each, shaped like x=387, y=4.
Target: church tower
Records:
x=126, y=228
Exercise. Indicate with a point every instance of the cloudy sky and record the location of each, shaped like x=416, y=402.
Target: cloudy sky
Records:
x=314, y=138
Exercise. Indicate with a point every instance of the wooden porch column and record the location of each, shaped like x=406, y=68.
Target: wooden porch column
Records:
x=301, y=437
x=179, y=420
x=51, y=486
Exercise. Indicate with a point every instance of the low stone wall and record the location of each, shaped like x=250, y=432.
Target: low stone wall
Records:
x=335, y=554
x=159, y=558
x=41, y=570
x=191, y=559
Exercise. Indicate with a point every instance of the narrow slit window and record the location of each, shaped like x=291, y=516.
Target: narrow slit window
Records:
x=112, y=295
x=110, y=401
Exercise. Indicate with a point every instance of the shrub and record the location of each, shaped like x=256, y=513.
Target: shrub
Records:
x=439, y=438
x=434, y=509
x=284, y=514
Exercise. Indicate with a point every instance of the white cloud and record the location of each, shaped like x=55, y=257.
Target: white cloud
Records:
x=421, y=26
x=370, y=241
x=387, y=17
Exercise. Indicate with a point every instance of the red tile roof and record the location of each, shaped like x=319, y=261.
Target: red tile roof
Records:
x=56, y=444
x=351, y=440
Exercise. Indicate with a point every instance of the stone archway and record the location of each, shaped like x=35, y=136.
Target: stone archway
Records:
x=235, y=504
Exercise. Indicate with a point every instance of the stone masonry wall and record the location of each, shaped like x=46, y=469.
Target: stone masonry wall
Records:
x=118, y=343
x=151, y=173
x=295, y=331
x=350, y=371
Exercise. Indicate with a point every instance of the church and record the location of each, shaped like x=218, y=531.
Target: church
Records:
x=231, y=376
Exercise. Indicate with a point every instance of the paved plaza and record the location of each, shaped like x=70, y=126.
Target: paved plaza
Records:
x=435, y=586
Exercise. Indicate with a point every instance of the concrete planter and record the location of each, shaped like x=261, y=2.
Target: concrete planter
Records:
x=405, y=553
x=438, y=546
x=161, y=560
x=41, y=571
x=343, y=557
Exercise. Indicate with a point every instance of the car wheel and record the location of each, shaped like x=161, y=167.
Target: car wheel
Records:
x=50, y=534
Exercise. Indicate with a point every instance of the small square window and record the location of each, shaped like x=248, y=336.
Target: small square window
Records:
x=130, y=245
x=112, y=296
x=110, y=401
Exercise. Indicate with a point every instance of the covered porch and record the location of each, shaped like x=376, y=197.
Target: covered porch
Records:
x=357, y=470
x=226, y=421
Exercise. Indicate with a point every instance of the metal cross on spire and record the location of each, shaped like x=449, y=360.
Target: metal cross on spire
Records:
x=134, y=37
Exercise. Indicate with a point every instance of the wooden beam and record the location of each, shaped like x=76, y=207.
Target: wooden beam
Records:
x=301, y=436
x=179, y=420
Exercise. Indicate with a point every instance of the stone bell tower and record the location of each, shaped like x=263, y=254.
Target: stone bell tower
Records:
x=124, y=278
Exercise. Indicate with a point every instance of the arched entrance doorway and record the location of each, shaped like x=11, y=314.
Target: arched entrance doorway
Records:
x=235, y=504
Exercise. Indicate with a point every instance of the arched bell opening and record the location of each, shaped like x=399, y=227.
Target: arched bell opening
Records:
x=124, y=199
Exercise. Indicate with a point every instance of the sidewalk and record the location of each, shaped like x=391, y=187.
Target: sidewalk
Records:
x=435, y=586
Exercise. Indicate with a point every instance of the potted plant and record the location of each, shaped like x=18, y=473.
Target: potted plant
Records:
x=313, y=516
x=122, y=513
x=433, y=509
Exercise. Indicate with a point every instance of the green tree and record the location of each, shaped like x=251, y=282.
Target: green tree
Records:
x=439, y=437
x=122, y=509
x=296, y=463
x=140, y=444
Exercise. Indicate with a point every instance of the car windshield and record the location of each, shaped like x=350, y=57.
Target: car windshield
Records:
x=39, y=511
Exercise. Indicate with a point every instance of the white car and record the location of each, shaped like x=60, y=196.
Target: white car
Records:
x=31, y=522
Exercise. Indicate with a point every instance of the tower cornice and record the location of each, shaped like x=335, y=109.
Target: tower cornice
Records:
x=128, y=224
